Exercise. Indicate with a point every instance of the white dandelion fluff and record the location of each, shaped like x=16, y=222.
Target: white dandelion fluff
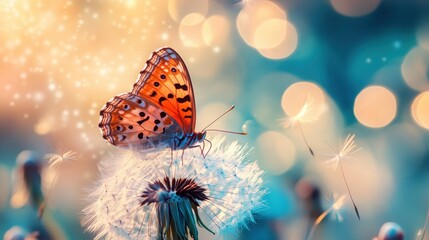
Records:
x=307, y=114
x=157, y=199
x=349, y=147
x=335, y=206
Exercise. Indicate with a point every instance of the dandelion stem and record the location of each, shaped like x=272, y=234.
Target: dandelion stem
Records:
x=426, y=225
x=348, y=190
x=43, y=206
x=305, y=139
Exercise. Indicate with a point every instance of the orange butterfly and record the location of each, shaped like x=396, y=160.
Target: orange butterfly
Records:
x=160, y=110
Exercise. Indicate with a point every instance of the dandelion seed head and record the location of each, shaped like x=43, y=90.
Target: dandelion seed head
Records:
x=140, y=194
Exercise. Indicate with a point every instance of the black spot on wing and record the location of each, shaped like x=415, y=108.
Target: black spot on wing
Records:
x=140, y=136
x=179, y=86
x=186, y=109
x=143, y=120
x=184, y=99
x=161, y=99
x=153, y=94
x=187, y=116
x=162, y=114
x=170, y=95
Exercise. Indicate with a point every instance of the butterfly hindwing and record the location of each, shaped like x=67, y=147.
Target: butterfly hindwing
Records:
x=129, y=119
x=166, y=83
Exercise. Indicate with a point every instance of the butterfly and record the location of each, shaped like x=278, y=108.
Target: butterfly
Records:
x=160, y=109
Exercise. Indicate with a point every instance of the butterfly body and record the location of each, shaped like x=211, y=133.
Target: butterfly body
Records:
x=160, y=109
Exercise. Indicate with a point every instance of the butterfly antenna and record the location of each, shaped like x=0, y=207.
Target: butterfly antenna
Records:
x=223, y=114
x=218, y=130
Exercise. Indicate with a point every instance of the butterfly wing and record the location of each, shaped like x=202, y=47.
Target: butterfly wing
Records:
x=128, y=119
x=166, y=83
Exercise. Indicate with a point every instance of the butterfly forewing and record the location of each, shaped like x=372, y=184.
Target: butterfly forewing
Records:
x=129, y=119
x=166, y=83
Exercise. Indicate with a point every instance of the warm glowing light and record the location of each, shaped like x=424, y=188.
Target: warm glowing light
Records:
x=44, y=126
x=354, y=8
x=286, y=47
x=276, y=152
x=375, y=107
x=215, y=30
x=420, y=109
x=257, y=13
x=190, y=30
x=300, y=94
x=178, y=9
x=415, y=68
x=270, y=33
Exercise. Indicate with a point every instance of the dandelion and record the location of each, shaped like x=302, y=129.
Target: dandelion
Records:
x=348, y=148
x=306, y=114
x=157, y=199
x=334, y=209
x=55, y=161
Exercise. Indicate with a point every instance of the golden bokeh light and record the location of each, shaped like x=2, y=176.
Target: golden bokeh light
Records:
x=276, y=152
x=355, y=8
x=415, y=67
x=420, y=109
x=255, y=13
x=270, y=33
x=375, y=106
x=286, y=47
x=178, y=9
x=215, y=30
x=301, y=93
x=190, y=30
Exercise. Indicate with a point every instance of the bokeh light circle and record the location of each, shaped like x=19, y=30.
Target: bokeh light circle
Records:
x=415, y=68
x=354, y=8
x=270, y=33
x=420, y=109
x=375, y=106
x=215, y=30
x=286, y=47
x=178, y=9
x=253, y=15
x=300, y=93
x=276, y=152
x=190, y=30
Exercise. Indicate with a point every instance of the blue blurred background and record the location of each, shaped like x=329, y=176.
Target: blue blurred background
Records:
x=363, y=63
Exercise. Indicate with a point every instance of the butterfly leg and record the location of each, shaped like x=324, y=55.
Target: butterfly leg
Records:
x=207, y=153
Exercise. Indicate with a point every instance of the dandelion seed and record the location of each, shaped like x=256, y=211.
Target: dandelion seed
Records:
x=55, y=161
x=306, y=114
x=348, y=148
x=157, y=199
x=333, y=209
